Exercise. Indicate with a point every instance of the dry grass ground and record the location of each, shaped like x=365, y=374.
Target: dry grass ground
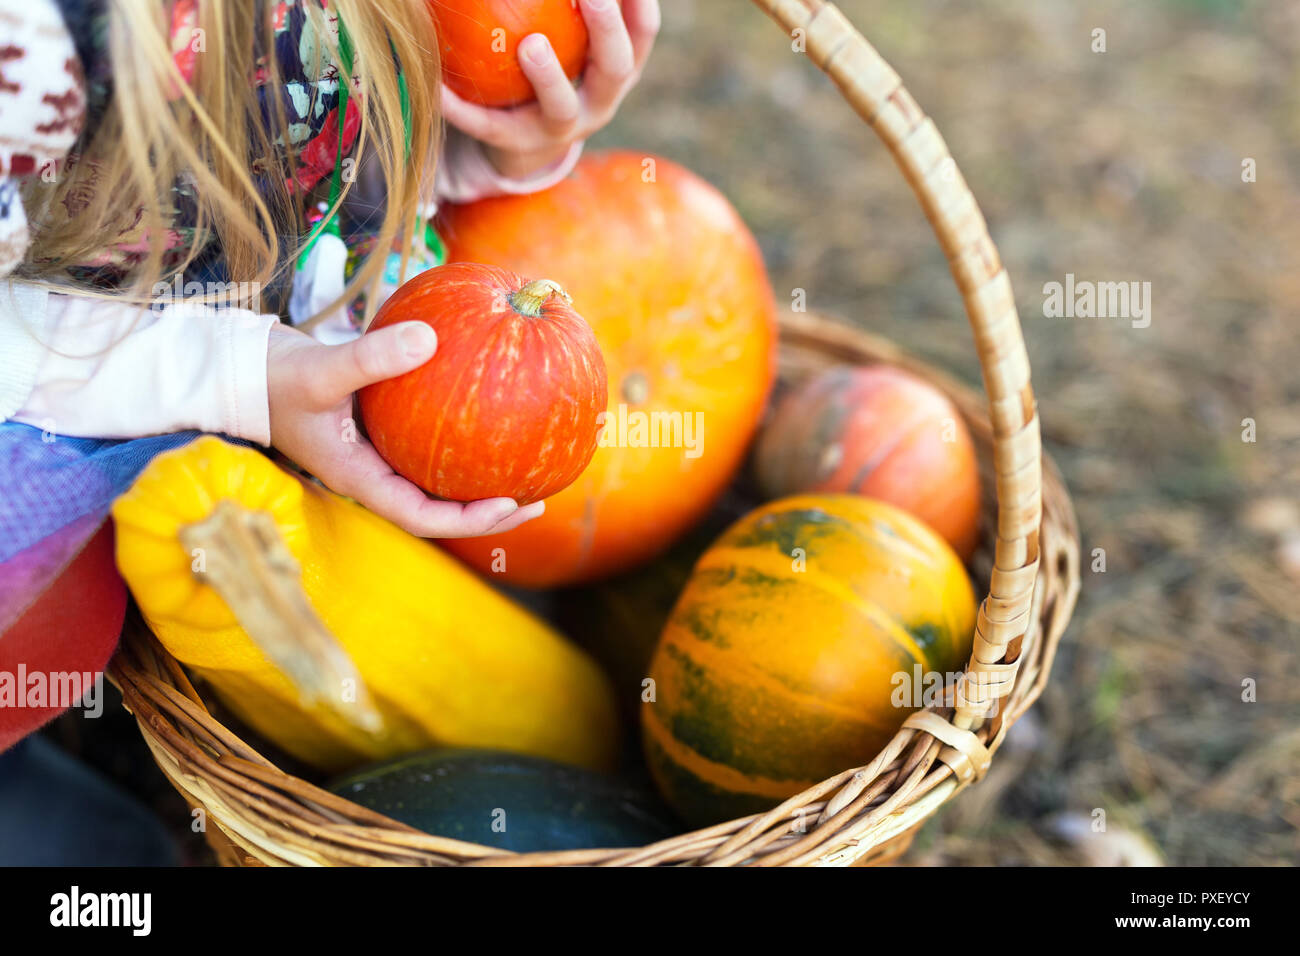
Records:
x=1116, y=166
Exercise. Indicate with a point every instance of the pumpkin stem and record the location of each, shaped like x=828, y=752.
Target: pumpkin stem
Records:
x=636, y=388
x=530, y=299
x=246, y=562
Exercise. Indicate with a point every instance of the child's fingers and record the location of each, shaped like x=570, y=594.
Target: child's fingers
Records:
x=510, y=522
x=370, y=480
x=337, y=371
x=643, y=19
x=519, y=128
x=617, y=52
x=479, y=122
x=556, y=97
x=611, y=56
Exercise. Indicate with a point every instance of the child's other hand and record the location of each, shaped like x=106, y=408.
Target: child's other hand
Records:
x=526, y=139
x=311, y=390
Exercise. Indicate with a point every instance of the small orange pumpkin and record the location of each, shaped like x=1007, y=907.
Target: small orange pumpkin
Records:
x=881, y=432
x=480, y=44
x=508, y=406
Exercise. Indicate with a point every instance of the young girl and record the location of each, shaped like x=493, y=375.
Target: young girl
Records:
x=262, y=161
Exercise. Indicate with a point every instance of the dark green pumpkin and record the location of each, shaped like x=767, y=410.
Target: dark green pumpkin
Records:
x=508, y=800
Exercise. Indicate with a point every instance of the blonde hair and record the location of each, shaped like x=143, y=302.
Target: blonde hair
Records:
x=158, y=128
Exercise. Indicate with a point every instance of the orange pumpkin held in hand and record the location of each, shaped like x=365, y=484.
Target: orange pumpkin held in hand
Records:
x=480, y=45
x=673, y=284
x=880, y=432
x=508, y=406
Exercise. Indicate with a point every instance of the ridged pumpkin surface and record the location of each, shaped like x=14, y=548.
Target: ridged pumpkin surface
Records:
x=516, y=369
x=480, y=44
x=448, y=660
x=881, y=432
x=769, y=678
x=672, y=283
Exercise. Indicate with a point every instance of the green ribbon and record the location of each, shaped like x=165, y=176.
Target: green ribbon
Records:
x=331, y=225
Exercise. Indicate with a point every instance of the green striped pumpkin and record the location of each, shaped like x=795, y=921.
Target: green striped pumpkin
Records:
x=792, y=653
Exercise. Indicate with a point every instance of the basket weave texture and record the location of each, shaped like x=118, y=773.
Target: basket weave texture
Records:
x=1029, y=555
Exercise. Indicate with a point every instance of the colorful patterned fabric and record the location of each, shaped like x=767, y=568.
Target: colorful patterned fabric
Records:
x=56, y=500
x=57, y=494
x=309, y=98
x=53, y=654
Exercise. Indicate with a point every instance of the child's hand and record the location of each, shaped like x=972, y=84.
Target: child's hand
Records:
x=312, y=422
x=523, y=140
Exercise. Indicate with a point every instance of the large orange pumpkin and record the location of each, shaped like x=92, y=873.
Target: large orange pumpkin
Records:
x=661, y=266
x=806, y=635
x=480, y=44
x=509, y=405
x=881, y=432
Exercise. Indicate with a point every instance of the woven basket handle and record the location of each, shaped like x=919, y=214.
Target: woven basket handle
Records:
x=875, y=91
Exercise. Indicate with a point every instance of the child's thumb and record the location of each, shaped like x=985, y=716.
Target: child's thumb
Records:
x=382, y=354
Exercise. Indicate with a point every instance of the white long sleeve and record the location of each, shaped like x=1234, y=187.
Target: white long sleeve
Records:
x=20, y=349
x=466, y=174
x=113, y=370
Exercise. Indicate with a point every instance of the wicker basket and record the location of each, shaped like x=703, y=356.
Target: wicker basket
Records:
x=1029, y=555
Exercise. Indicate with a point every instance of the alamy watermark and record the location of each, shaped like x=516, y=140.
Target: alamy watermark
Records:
x=133, y=911
x=1098, y=300
x=221, y=295
x=53, y=689
x=921, y=688
x=624, y=428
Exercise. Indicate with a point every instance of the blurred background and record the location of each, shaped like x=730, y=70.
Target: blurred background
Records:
x=1123, y=165
x=1117, y=166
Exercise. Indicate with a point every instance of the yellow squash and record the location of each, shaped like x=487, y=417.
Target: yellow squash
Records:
x=443, y=658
